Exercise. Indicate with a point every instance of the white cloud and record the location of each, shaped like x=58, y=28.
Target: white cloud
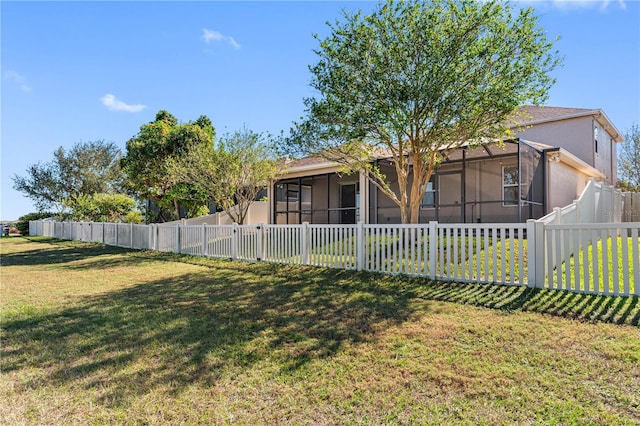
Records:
x=210, y=35
x=18, y=80
x=114, y=104
x=575, y=4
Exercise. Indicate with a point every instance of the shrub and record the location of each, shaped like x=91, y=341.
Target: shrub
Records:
x=23, y=221
x=134, y=216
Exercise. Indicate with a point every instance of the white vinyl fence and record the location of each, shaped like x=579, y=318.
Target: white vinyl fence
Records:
x=598, y=258
x=598, y=203
x=586, y=258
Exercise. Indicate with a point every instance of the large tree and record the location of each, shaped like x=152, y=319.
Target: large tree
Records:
x=232, y=173
x=152, y=149
x=87, y=168
x=415, y=78
x=629, y=161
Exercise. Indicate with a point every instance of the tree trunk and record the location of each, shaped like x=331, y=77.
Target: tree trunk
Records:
x=417, y=188
x=176, y=208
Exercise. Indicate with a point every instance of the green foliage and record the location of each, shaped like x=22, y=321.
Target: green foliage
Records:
x=134, y=216
x=148, y=154
x=193, y=197
x=23, y=221
x=231, y=174
x=102, y=207
x=629, y=161
x=416, y=78
x=87, y=168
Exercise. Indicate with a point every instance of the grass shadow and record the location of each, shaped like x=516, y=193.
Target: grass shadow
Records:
x=200, y=326
x=566, y=304
x=208, y=325
x=56, y=251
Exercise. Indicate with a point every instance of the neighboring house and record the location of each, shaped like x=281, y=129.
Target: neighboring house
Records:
x=553, y=155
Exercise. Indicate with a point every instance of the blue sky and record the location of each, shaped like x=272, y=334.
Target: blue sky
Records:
x=82, y=71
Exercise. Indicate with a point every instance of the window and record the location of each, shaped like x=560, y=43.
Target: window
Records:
x=595, y=138
x=510, y=186
x=429, y=199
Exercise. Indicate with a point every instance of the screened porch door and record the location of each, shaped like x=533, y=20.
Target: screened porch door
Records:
x=349, y=200
x=450, y=197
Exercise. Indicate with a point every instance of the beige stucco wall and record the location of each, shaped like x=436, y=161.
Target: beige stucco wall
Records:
x=565, y=184
x=576, y=135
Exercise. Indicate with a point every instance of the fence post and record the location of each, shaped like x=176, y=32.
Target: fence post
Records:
x=432, y=239
x=260, y=227
x=535, y=255
x=131, y=235
x=150, y=237
x=360, y=247
x=558, y=218
x=204, y=240
x=600, y=207
x=116, y=226
x=304, y=243
x=531, y=258
x=178, y=238
x=234, y=241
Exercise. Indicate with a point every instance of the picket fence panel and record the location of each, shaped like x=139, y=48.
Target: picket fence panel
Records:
x=586, y=258
x=218, y=241
x=593, y=259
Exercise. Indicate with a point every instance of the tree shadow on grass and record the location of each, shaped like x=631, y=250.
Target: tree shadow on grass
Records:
x=213, y=324
x=201, y=327
x=58, y=251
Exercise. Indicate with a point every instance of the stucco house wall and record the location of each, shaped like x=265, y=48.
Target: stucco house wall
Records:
x=574, y=135
x=565, y=184
x=578, y=134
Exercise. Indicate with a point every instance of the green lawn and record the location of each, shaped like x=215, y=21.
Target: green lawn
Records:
x=100, y=335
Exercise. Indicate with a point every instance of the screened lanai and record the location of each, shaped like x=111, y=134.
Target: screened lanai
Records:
x=490, y=183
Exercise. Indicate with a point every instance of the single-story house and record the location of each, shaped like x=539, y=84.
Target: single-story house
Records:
x=547, y=164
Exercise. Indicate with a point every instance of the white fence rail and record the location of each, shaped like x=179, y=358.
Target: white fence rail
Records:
x=586, y=258
x=598, y=203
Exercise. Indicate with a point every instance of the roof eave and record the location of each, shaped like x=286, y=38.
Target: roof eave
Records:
x=573, y=161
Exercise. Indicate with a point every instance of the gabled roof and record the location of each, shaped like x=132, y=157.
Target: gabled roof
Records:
x=530, y=115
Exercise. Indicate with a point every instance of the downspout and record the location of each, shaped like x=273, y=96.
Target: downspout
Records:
x=300, y=200
x=272, y=199
x=329, y=199
x=375, y=197
x=463, y=199
x=519, y=183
